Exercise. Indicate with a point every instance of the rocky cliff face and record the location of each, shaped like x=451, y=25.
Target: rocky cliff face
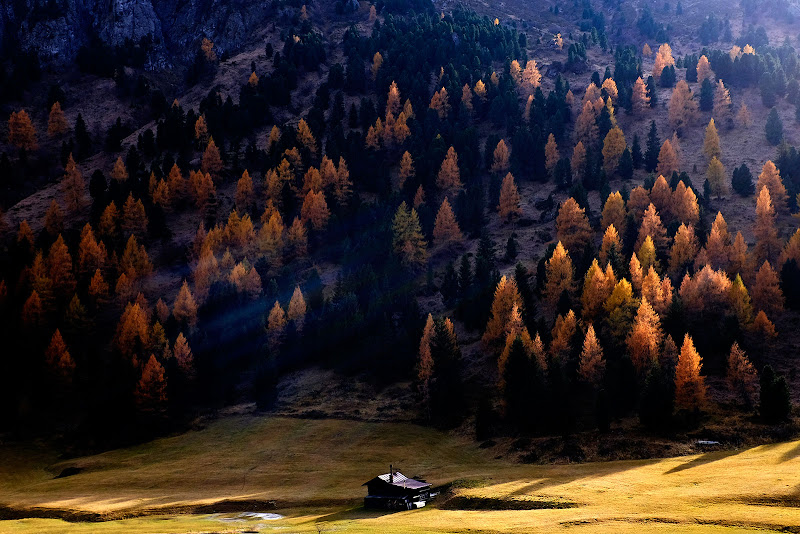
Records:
x=58, y=28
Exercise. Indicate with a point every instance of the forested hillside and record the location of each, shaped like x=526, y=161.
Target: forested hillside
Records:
x=575, y=220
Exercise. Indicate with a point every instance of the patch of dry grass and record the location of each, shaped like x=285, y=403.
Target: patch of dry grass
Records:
x=312, y=470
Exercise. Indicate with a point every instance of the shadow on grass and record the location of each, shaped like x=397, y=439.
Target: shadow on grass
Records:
x=791, y=454
x=704, y=459
x=357, y=512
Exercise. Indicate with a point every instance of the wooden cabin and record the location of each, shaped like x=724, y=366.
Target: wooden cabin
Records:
x=395, y=491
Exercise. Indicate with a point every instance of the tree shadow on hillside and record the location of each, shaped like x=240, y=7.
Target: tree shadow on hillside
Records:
x=791, y=454
x=704, y=459
x=358, y=512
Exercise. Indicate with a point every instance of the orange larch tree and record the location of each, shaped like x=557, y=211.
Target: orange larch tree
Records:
x=73, y=186
x=449, y=177
x=644, y=340
x=56, y=122
x=592, y=365
x=682, y=106
x=211, y=162
x=551, y=153
x=767, y=294
x=613, y=147
x=509, y=204
x=445, y=228
x=506, y=297
x=572, y=226
x=768, y=245
x=500, y=158
x=770, y=178
x=711, y=141
x=640, y=100
x=559, y=276
x=742, y=376
x=690, y=387
x=151, y=390
x=21, y=132
x=185, y=308
x=667, y=159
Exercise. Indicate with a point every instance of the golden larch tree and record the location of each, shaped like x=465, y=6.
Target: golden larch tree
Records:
x=407, y=239
x=711, y=142
x=682, y=106
x=185, y=308
x=53, y=219
x=646, y=51
x=740, y=302
x=578, y=161
x=73, y=186
x=563, y=334
x=445, y=228
x=306, y=138
x=119, y=172
x=244, y=192
x=586, y=126
x=509, y=203
x=425, y=361
x=558, y=275
x=182, y=353
x=592, y=365
x=406, y=168
x=207, y=47
x=211, y=162
x=134, y=218
x=684, y=250
x=770, y=178
x=768, y=245
x=611, y=241
x=722, y=103
x=56, y=122
x=151, y=390
x=201, y=130
x=466, y=97
x=449, y=177
x=572, y=225
x=551, y=153
x=690, y=386
x=297, y=239
x=315, y=210
x=667, y=159
x=614, y=212
x=440, y=103
x=506, y=297
x=377, y=61
x=644, y=340
x=653, y=227
x=501, y=158
x=742, y=376
x=715, y=174
x=767, y=294
x=296, y=311
x=640, y=100
x=763, y=326
x=58, y=358
x=609, y=87
x=21, y=132
x=703, y=69
x=613, y=147
x=531, y=78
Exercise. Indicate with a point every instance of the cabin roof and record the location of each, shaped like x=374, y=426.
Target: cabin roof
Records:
x=400, y=481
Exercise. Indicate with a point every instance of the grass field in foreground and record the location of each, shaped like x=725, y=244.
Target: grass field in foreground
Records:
x=313, y=471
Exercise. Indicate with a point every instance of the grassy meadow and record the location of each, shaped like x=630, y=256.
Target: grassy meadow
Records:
x=311, y=472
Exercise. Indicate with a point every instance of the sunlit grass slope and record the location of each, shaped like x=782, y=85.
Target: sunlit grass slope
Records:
x=313, y=469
